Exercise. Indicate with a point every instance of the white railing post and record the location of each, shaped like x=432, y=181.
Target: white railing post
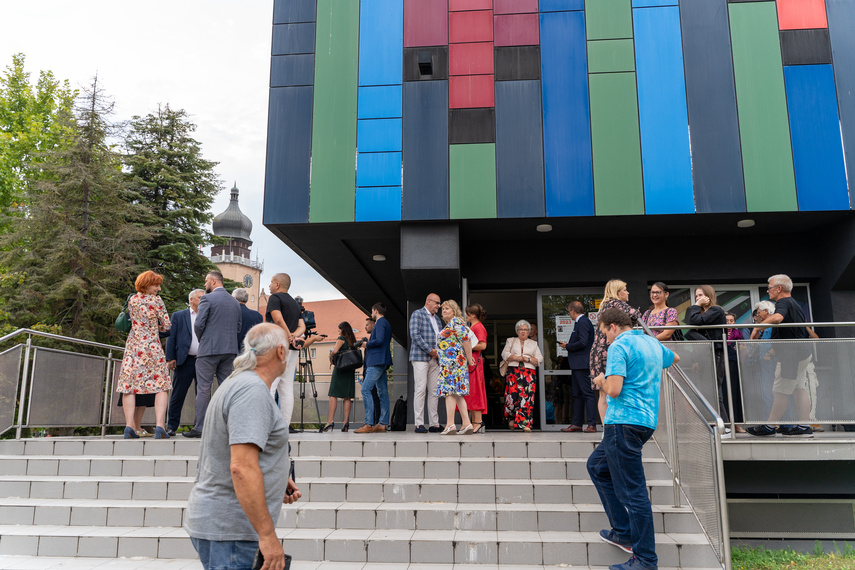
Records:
x=24, y=385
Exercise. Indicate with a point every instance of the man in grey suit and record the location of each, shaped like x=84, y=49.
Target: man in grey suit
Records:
x=217, y=327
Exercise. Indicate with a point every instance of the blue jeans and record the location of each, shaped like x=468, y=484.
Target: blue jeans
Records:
x=375, y=376
x=225, y=554
x=617, y=472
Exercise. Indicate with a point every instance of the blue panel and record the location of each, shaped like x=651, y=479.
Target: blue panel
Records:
x=292, y=70
x=716, y=154
x=378, y=135
x=381, y=42
x=425, y=150
x=841, y=22
x=519, y=150
x=561, y=5
x=378, y=204
x=379, y=102
x=665, y=152
x=378, y=169
x=815, y=131
x=566, y=116
x=650, y=3
x=293, y=11
x=293, y=38
x=289, y=148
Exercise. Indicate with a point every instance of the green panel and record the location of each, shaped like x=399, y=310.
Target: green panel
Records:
x=333, y=189
x=618, y=187
x=610, y=55
x=608, y=19
x=767, y=154
x=472, y=172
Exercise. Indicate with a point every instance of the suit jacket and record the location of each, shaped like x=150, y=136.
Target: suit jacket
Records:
x=378, y=351
x=423, y=335
x=249, y=319
x=180, y=337
x=218, y=323
x=579, y=345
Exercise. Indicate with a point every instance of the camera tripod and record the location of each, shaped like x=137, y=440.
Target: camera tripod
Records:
x=306, y=374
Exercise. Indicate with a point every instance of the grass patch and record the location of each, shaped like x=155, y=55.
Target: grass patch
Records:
x=760, y=558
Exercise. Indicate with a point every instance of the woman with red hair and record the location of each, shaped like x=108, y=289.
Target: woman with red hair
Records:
x=144, y=368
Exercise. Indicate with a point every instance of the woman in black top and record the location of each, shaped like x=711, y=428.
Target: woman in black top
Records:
x=705, y=311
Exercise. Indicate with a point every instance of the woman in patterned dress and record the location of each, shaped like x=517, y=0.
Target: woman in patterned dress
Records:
x=523, y=357
x=455, y=357
x=144, y=368
x=615, y=295
x=661, y=314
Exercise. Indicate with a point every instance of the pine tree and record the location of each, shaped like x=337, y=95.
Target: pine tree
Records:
x=165, y=167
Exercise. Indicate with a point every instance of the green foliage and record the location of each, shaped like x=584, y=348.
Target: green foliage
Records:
x=760, y=558
x=166, y=171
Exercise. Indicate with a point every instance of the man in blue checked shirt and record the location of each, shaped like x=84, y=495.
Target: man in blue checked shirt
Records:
x=425, y=325
x=633, y=371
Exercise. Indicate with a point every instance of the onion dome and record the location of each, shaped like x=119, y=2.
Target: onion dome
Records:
x=233, y=223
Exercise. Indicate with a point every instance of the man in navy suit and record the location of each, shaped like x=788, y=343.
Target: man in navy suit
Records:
x=182, y=346
x=248, y=317
x=217, y=326
x=378, y=358
x=578, y=357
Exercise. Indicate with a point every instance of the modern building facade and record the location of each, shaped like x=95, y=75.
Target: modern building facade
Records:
x=520, y=153
x=234, y=257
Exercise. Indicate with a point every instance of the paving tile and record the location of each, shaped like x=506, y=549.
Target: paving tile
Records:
x=12, y=544
x=81, y=490
x=137, y=546
x=52, y=515
x=12, y=514
x=74, y=468
x=100, y=546
x=58, y=545
x=105, y=467
x=88, y=516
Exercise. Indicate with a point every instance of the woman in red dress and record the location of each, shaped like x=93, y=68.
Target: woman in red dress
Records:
x=476, y=401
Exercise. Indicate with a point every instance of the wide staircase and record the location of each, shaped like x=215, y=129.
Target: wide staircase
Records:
x=395, y=500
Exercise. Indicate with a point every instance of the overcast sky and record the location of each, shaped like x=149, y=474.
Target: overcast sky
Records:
x=208, y=57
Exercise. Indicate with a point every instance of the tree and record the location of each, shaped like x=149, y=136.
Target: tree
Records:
x=73, y=255
x=166, y=170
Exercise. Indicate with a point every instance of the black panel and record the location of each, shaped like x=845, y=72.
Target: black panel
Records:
x=294, y=11
x=805, y=47
x=438, y=59
x=425, y=192
x=471, y=126
x=517, y=63
x=292, y=70
x=293, y=39
x=519, y=150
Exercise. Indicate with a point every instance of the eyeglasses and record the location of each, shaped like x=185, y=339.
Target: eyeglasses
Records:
x=770, y=287
x=656, y=293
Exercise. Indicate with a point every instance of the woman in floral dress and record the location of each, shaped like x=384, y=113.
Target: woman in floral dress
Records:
x=144, y=368
x=661, y=314
x=523, y=357
x=455, y=357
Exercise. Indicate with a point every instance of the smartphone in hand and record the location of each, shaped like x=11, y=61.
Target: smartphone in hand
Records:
x=258, y=561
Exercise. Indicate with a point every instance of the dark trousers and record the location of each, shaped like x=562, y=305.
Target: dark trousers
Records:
x=584, y=401
x=181, y=380
x=617, y=472
x=207, y=367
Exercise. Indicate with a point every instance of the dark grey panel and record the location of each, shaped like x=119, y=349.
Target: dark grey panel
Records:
x=425, y=192
x=841, y=22
x=517, y=63
x=294, y=11
x=467, y=126
x=519, y=150
x=805, y=47
x=293, y=39
x=292, y=70
x=439, y=63
x=289, y=149
x=711, y=99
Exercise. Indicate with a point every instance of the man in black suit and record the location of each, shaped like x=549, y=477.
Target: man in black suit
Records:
x=217, y=326
x=248, y=317
x=578, y=357
x=182, y=346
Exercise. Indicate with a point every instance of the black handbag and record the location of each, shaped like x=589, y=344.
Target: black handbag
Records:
x=347, y=360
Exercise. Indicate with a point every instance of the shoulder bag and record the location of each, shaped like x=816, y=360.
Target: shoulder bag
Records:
x=123, y=321
x=347, y=360
x=503, y=365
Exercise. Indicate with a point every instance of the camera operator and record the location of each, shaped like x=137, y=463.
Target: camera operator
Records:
x=284, y=311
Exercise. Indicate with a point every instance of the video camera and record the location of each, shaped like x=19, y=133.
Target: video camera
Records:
x=308, y=317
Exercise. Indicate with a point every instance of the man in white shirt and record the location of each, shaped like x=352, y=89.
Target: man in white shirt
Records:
x=181, y=350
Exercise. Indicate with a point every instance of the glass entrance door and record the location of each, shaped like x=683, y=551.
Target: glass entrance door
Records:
x=556, y=402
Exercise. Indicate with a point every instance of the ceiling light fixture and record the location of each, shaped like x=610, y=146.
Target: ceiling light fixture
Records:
x=543, y=228
x=746, y=223
x=379, y=257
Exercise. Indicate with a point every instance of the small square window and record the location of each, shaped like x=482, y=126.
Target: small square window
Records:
x=314, y=353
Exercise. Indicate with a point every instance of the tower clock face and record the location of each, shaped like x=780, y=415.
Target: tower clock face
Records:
x=247, y=280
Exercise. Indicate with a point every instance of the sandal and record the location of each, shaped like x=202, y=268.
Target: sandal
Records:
x=450, y=430
x=467, y=430
x=527, y=429
x=479, y=429
x=512, y=426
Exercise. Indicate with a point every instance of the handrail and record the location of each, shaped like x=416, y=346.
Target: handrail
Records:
x=62, y=338
x=752, y=325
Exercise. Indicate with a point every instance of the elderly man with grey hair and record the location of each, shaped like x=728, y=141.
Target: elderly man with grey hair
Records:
x=248, y=317
x=181, y=350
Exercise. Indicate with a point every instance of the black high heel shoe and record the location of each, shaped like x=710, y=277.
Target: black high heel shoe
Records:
x=346, y=426
x=327, y=427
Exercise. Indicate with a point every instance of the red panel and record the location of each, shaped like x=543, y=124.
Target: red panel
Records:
x=462, y=5
x=515, y=6
x=517, y=30
x=425, y=23
x=466, y=91
x=467, y=27
x=801, y=14
x=470, y=59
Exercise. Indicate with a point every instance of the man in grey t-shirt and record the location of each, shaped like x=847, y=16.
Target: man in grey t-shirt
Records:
x=242, y=479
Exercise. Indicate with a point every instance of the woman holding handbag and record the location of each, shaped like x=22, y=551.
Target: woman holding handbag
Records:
x=522, y=356
x=476, y=400
x=343, y=382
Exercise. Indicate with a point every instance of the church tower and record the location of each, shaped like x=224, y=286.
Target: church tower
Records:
x=233, y=257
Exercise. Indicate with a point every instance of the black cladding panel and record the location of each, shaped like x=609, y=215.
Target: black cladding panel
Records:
x=517, y=63
x=805, y=47
x=469, y=126
x=439, y=63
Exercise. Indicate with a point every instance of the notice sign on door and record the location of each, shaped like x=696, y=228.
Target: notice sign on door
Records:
x=563, y=328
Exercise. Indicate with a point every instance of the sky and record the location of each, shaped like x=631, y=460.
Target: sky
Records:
x=208, y=57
